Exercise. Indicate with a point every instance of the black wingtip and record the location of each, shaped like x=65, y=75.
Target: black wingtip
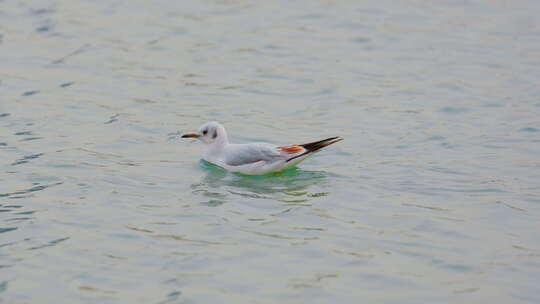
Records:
x=317, y=145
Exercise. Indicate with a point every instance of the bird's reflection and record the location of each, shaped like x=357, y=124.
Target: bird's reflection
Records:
x=292, y=185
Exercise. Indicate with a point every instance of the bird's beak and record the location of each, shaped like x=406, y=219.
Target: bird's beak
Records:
x=191, y=135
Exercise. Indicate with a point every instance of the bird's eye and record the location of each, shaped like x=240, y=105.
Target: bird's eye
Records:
x=204, y=132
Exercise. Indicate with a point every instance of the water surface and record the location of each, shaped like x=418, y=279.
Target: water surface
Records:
x=433, y=197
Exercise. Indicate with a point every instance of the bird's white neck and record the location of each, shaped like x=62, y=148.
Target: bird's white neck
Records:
x=220, y=142
x=222, y=138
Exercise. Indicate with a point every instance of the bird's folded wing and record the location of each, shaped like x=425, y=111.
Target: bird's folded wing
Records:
x=243, y=154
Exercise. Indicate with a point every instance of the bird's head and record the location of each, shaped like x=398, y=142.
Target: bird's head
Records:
x=209, y=133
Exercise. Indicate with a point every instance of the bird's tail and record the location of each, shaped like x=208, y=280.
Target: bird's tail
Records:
x=316, y=146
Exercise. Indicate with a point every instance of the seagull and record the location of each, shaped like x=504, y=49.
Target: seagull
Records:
x=252, y=158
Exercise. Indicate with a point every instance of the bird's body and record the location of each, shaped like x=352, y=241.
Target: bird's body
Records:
x=252, y=158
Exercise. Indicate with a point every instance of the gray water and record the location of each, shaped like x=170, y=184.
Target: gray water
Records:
x=433, y=196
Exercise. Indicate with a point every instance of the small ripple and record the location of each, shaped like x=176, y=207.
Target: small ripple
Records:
x=44, y=28
x=510, y=206
x=29, y=190
x=7, y=229
x=302, y=202
x=8, y=244
x=12, y=206
x=116, y=257
x=479, y=190
x=380, y=281
x=112, y=119
x=424, y=207
x=66, y=84
x=30, y=93
x=26, y=159
x=172, y=297
x=43, y=11
x=320, y=194
x=450, y=86
x=436, y=137
x=31, y=138
x=135, y=228
x=493, y=105
x=446, y=171
x=95, y=289
x=182, y=238
x=454, y=110
x=309, y=228
x=78, y=51
x=17, y=219
x=356, y=254
x=466, y=290
x=291, y=94
x=143, y=100
x=281, y=236
x=213, y=203
x=210, y=194
x=361, y=40
x=249, y=195
x=448, y=145
x=49, y=244
x=22, y=133
x=530, y=129
x=454, y=267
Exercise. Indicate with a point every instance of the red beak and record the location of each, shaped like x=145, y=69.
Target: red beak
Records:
x=190, y=135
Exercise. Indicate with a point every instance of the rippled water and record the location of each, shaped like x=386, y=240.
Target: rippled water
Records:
x=433, y=197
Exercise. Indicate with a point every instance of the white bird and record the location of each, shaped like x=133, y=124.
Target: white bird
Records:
x=252, y=158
